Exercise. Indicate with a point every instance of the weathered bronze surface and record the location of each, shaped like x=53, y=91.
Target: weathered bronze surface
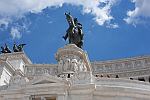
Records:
x=74, y=32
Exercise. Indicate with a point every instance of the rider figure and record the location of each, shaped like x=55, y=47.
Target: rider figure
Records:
x=79, y=27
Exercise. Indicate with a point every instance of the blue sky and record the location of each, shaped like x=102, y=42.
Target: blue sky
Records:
x=113, y=29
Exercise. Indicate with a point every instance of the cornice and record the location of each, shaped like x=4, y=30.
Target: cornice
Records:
x=16, y=55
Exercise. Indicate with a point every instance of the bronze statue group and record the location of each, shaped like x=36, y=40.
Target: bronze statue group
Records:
x=16, y=48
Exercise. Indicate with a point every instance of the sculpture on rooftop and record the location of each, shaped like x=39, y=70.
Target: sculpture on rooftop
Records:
x=5, y=49
x=74, y=32
x=18, y=48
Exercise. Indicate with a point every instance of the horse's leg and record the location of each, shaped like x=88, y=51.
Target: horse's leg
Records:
x=65, y=37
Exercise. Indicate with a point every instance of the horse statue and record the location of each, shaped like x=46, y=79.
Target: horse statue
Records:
x=74, y=32
x=18, y=48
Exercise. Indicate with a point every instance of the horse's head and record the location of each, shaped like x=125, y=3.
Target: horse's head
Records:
x=69, y=18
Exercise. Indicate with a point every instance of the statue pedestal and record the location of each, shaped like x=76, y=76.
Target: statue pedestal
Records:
x=73, y=64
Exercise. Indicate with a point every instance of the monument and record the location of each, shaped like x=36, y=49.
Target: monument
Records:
x=74, y=76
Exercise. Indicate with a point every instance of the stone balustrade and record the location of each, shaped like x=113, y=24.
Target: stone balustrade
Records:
x=39, y=69
x=130, y=67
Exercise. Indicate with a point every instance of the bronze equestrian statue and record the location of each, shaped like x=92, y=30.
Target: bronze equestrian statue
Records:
x=74, y=32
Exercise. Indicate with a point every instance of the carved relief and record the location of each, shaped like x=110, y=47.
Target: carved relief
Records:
x=60, y=66
x=83, y=67
x=74, y=65
x=66, y=65
x=31, y=71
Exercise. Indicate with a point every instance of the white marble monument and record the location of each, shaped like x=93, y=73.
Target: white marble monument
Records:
x=74, y=77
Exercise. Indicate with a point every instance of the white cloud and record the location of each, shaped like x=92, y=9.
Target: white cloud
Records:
x=4, y=23
x=15, y=33
x=113, y=26
x=141, y=11
x=11, y=9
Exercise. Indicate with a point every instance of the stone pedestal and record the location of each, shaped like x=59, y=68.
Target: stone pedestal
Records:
x=73, y=63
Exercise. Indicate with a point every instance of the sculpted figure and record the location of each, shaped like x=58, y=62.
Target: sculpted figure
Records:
x=82, y=66
x=60, y=65
x=74, y=65
x=67, y=64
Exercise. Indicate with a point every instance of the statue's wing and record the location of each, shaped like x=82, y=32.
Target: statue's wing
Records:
x=21, y=45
